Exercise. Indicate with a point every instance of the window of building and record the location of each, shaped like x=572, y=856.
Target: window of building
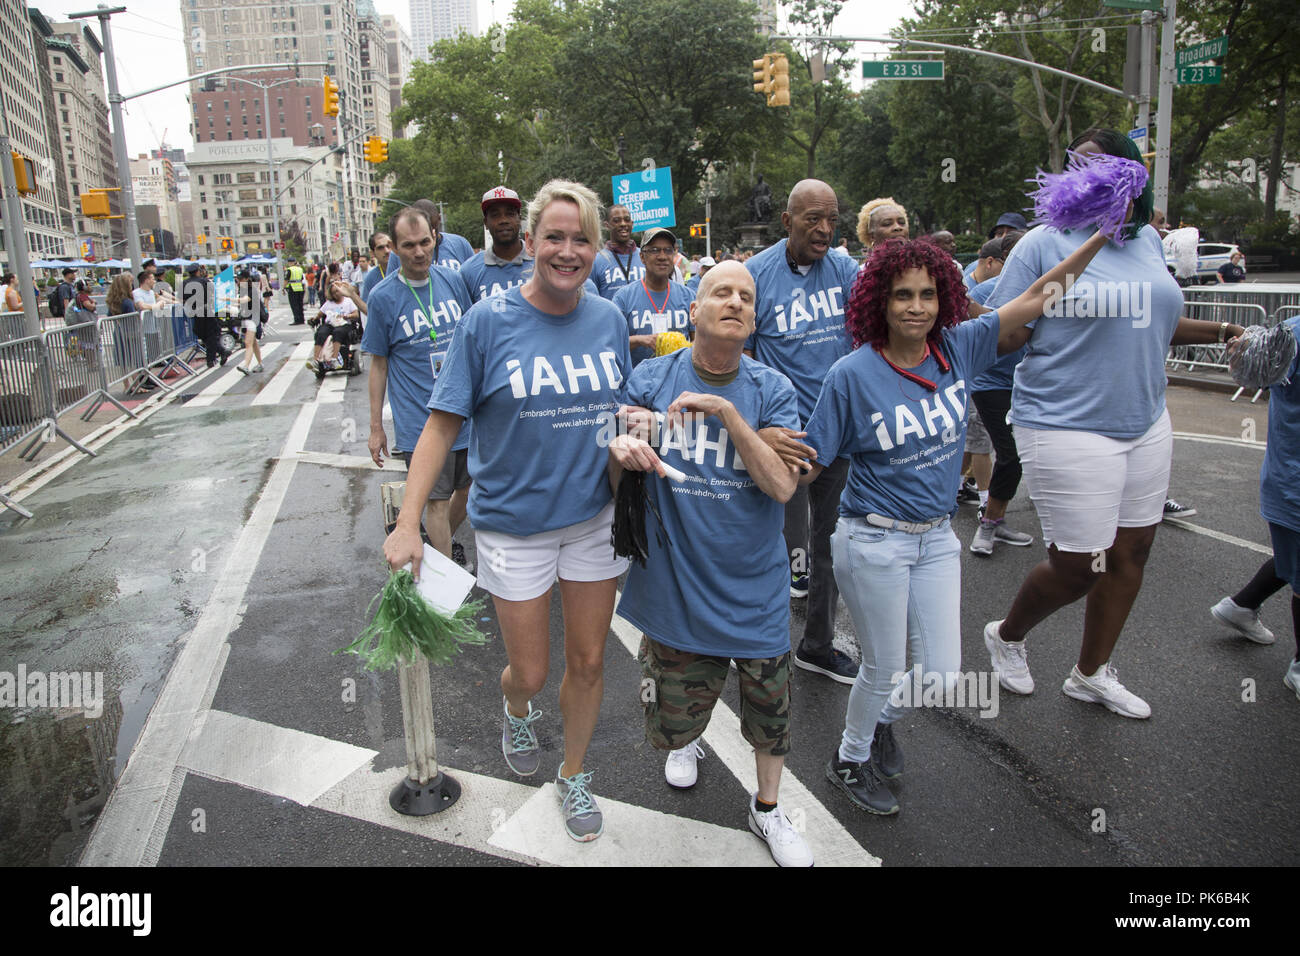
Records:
x=200, y=179
x=229, y=135
x=57, y=61
x=205, y=214
x=58, y=77
x=63, y=99
x=245, y=178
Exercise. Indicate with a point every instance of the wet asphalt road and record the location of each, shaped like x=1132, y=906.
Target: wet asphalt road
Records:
x=126, y=550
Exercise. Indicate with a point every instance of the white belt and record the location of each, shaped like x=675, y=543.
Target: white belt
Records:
x=911, y=527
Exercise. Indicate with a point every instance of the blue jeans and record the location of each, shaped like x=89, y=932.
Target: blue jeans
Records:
x=901, y=589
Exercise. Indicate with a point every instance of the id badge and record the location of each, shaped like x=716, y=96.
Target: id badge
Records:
x=435, y=361
x=660, y=322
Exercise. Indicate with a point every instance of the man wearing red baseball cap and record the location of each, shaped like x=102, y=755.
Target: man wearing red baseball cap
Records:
x=505, y=263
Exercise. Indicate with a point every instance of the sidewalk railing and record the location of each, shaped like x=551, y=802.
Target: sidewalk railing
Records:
x=43, y=377
x=1213, y=356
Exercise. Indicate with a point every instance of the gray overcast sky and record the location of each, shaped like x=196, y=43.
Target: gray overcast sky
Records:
x=150, y=50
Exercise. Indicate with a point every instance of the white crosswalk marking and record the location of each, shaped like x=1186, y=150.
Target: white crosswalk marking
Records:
x=279, y=384
x=226, y=382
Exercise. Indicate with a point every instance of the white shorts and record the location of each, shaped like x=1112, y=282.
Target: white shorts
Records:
x=1085, y=486
x=518, y=568
x=249, y=325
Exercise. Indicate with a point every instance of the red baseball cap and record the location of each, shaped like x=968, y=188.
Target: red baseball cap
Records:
x=501, y=194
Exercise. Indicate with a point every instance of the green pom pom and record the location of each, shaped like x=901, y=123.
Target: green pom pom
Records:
x=406, y=622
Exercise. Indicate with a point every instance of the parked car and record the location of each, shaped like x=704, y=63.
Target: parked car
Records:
x=1209, y=257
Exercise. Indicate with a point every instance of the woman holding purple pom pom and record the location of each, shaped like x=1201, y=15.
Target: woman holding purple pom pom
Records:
x=1094, y=437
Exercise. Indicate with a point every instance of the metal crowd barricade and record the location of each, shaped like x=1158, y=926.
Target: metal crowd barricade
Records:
x=123, y=352
x=1269, y=296
x=24, y=400
x=13, y=325
x=160, y=344
x=77, y=372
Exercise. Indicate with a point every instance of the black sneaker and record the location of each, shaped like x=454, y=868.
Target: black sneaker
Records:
x=836, y=665
x=969, y=493
x=798, y=584
x=885, y=752
x=1174, y=510
x=458, y=555
x=861, y=783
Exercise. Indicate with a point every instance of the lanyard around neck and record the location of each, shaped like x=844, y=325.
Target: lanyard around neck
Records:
x=428, y=314
x=912, y=376
x=653, y=305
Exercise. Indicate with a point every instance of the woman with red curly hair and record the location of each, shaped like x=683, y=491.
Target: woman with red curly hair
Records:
x=896, y=407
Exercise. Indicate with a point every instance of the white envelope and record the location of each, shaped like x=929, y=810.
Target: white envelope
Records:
x=443, y=582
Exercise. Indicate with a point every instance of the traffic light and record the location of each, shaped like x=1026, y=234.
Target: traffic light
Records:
x=331, y=97
x=780, y=92
x=376, y=150
x=772, y=78
x=698, y=229
x=94, y=204
x=762, y=73
x=24, y=174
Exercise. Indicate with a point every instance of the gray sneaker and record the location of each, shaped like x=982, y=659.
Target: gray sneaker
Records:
x=1011, y=536
x=984, y=538
x=519, y=741
x=582, y=818
x=886, y=753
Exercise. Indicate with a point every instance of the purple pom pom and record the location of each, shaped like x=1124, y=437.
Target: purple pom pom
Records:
x=1095, y=189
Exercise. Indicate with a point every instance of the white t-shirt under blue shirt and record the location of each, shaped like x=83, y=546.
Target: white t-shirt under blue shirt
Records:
x=799, y=318
x=720, y=588
x=1097, y=363
x=648, y=312
x=413, y=327
x=534, y=386
x=904, y=442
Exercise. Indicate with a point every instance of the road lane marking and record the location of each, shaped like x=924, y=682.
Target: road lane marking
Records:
x=226, y=382
x=280, y=382
x=127, y=827
x=831, y=843
x=363, y=462
x=1220, y=440
x=1219, y=535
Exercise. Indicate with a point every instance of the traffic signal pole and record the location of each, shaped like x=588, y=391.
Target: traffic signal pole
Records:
x=16, y=232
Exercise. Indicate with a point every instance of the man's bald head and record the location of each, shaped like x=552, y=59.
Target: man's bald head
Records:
x=811, y=216
x=730, y=271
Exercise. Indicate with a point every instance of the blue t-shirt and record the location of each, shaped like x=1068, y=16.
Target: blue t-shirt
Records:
x=904, y=442
x=1279, y=478
x=799, y=319
x=693, y=283
x=372, y=279
x=1001, y=373
x=484, y=280
x=640, y=307
x=453, y=252
x=721, y=586
x=1097, y=363
x=414, y=327
x=968, y=274
x=612, y=271
x=535, y=386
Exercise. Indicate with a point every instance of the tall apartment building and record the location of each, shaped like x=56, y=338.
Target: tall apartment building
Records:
x=81, y=106
x=377, y=113
x=235, y=32
x=398, y=42
x=28, y=101
x=434, y=20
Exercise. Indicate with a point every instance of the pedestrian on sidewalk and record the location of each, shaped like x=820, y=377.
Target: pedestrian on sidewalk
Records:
x=250, y=314
x=698, y=614
x=532, y=369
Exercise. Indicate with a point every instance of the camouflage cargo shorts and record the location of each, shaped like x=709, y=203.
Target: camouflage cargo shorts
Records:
x=679, y=689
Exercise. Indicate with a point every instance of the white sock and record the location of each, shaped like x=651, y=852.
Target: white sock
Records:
x=984, y=498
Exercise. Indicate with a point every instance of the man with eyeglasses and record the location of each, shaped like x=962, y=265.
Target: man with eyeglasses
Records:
x=656, y=303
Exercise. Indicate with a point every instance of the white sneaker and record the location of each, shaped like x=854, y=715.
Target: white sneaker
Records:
x=1243, y=620
x=1009, y=660
x=1104, y=688
x=1292, y=678
x=786, y=845
x=680, y=771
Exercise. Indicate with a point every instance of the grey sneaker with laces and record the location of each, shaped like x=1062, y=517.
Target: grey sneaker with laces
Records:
x=519, y=741
x=582, y=818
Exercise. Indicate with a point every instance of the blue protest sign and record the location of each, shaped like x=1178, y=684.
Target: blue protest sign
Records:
x=648, y=197
x=223, y=284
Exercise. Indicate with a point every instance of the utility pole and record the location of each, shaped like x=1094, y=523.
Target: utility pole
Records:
x=16, y=231
x=1165, y=107
x=119, y=131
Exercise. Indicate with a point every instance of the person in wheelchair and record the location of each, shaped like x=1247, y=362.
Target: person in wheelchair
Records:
x=338, y=323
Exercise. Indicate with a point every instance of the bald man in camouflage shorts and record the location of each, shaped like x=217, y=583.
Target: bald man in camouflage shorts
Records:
x=717, y=590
